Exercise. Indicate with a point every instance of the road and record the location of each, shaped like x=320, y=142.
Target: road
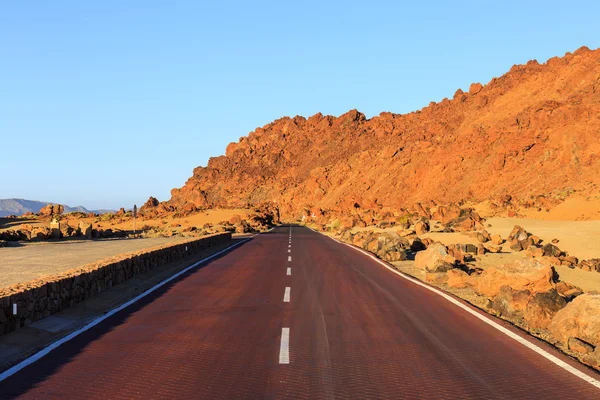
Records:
x=292, y=314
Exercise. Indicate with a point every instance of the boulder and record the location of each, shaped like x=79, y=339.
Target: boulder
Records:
x=568, y=291
x=392, y=254
x=85, y=229
x=551, y=250
x=525, y=274
x=510, y=303
x=417, y=245
x=475, y=88
x=457, y=278
x=421, y=227
x=483, y=236
x=534, y=252
x=542, y=307
x=429, y=257
x=518, y=233
x=493, y=249
x=496, y=239
x=439, y=266
x=579, y=319
x=481, y=250
x=41, y=233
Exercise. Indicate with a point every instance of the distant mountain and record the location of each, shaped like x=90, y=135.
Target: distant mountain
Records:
x=22, y=206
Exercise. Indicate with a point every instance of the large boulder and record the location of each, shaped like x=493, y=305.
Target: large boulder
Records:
x=85, y=229
x=421, y=227
x=525, y=274
x=579, y=319
x=458, y=278
x=428, y=258
x=542, y=307
x=41, y=233
x=510, y=303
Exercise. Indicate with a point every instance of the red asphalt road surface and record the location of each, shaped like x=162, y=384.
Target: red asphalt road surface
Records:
x=357, y=331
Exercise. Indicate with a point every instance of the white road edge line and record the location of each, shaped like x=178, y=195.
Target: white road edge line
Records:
x=286, y=295
x=49, y=348
x=289, y=258
x=289, y=271
x=483, y=318
x=284, y=348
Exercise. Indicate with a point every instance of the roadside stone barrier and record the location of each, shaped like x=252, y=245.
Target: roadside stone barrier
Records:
x=24, y=303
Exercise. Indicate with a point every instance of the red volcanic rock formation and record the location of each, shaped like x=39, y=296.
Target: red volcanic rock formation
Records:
x=534, y=130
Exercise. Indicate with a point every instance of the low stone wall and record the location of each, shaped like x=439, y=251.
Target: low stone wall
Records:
x=43, y=297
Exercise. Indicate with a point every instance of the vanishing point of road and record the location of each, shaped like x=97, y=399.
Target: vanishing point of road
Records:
x=292, y=314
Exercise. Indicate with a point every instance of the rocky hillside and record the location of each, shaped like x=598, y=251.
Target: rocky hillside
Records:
x=533, y=131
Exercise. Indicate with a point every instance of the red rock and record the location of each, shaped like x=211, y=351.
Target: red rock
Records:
x=475, y=88
x=429, y=257
x=579, y=319
x=525, y=274
x=457, y=278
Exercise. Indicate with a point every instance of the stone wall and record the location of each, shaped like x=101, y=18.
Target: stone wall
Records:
x=43, y=297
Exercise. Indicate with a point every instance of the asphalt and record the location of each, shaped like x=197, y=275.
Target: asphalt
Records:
x=356, y=331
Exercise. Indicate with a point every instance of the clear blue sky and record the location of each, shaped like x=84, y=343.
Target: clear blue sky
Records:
x=105, y=103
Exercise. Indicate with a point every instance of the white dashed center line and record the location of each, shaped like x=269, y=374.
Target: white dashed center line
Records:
x=284, y=348
x=289, y=251
x=286, y=295
x=289, y=271
x=289, y=258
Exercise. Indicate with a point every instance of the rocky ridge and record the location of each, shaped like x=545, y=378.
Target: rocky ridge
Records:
x=529, y=133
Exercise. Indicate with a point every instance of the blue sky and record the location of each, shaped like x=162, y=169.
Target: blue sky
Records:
x=103, y=104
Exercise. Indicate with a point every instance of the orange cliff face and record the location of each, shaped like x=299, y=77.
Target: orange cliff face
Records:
x=532, y=131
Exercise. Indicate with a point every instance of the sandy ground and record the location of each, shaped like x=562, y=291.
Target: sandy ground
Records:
x=573, y=208
x=579, y=238
x=31, y=261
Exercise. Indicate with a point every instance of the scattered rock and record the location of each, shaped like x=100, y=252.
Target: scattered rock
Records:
x=417, y=245
x=483, y=236
x=551, y=251
x=568, y=291
x=421, y=227
x=427, y=258
x=496, y=239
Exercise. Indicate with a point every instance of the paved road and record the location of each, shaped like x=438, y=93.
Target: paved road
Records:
x=356, y=331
